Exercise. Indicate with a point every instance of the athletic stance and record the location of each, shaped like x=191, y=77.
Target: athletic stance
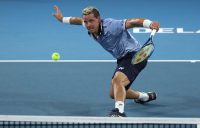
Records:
x=114, y=37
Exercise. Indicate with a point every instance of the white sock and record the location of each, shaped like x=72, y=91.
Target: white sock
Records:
x=143, y=96
x=120, y=106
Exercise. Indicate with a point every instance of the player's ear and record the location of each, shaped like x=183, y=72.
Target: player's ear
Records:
x=99, y=18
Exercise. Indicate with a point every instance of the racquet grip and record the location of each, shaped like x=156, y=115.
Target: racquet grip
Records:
x=153, y=32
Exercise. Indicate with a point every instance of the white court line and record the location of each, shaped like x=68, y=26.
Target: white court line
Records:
x=171, y=61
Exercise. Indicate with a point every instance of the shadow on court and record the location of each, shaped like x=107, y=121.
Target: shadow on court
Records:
x=82, y=89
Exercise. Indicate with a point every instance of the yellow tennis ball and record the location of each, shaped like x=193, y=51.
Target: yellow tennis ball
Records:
x=55, y=56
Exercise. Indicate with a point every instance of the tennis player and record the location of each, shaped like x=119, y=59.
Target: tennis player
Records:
x=114, y=37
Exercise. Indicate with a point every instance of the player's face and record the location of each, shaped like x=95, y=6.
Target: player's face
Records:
x=91, y=23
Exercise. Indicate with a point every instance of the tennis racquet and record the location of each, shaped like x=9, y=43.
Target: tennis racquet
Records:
x=146, y=50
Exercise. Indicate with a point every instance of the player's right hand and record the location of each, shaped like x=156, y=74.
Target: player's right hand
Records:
x=58, y=15
x=155, y=25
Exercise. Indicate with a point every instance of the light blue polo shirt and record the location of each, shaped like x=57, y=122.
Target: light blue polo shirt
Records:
x=115, y=38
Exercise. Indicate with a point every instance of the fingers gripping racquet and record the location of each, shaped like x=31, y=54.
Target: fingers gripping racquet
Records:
x=146, y=50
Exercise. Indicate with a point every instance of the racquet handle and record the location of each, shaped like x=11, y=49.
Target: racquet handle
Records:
x=153, y=32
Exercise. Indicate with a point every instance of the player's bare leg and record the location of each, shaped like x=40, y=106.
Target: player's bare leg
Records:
x=119, y=82
x=130, y=93
x=118, y=91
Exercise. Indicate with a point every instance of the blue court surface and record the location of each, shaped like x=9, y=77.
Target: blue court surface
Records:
x=82, y=89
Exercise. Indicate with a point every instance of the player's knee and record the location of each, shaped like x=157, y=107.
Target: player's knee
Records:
x=116, y=82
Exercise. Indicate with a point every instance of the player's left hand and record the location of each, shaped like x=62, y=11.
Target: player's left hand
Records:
x=155, y=25
x=58, y=14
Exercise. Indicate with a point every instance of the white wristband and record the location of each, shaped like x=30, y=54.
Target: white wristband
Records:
x=66, y=20
x=147, y=23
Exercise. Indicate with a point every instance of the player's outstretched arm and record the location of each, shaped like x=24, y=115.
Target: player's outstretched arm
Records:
x=70, y=20
x=141, y=22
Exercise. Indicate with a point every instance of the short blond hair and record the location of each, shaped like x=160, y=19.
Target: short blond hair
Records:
x=91, y=10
